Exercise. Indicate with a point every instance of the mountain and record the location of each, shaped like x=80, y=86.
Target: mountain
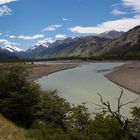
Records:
x=111, y=34
x=4, y=54
x=7, y=51
x=11, y=49
x=79, y=46
x=126, y=46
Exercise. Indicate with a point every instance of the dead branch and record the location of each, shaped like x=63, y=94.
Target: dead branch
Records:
x=122, y=121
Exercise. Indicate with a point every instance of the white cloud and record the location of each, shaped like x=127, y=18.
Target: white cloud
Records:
x=60, y=36
x=4, y=11
x=6, y=1
x=6, y=42
x=0, y=33
x=52, y=28
x=46, y=40
x=3, y=40
x=123, y=24
x=134, y=4
x=12, y=36
x=37, y=36
x=117, y=12
x=120, y=25
x=65, y=19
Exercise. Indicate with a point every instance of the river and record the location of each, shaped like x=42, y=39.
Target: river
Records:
x=81, y=84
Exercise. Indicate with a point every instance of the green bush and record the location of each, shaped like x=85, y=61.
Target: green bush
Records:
x=50, y=117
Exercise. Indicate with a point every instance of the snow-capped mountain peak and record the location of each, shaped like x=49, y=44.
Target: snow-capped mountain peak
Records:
x=11, y=49
x=43, y=44
x=9, y=46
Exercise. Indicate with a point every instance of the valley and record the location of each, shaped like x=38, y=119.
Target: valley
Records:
x=69, y=70
x=123, y=46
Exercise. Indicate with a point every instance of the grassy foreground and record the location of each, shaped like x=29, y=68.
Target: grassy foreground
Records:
x=9, y=131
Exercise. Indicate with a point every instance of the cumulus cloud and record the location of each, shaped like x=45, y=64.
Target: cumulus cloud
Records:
x=66, y=19
x=4, y=11
x=45, y=42
x=6, y=42
x=37, y=36
x=60, y=36
x=120, y=25
x=48, y=40
x=12, y=36
x=3, y=41
x=34, y=37
x=134, y=4
x=6, y=1
x=117, y=12
x=123, y=24
x=52, y=28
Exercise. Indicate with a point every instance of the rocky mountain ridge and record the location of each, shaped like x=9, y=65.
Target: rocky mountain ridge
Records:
x=127, y=45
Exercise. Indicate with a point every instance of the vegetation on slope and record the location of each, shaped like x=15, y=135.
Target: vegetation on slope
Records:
x=46, y=116
x=9, y=131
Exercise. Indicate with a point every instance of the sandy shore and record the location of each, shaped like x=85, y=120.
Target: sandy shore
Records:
x=127, y=76
x=37, y=71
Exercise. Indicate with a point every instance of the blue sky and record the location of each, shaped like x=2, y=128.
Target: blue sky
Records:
x=24, y=23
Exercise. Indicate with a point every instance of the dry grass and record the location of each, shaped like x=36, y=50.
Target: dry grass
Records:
x=9, y=131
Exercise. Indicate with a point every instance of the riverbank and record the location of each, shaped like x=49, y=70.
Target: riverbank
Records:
x=37, y=71
x=127, y=76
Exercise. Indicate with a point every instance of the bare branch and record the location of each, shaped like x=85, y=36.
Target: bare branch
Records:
x=131, y=102
x=119, y=102
x=116, y=114
x=108, y=108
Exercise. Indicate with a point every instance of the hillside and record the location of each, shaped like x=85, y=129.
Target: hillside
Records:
x=127, y=46
x=79, y=46
x=9, y=51
x=111, y=34
x=9, y=131
x=4, y=54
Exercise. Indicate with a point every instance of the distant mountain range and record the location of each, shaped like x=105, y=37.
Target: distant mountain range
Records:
x=111, y=44
x=7, y=51
x=79, y=46
x=4, y=54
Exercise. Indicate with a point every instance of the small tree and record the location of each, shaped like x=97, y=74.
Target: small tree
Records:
x=18, y=98
x=79, y=117
x=103, y=127
x=12, y=78
x=124, y=122
x=53, y=109
x=136, y=121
